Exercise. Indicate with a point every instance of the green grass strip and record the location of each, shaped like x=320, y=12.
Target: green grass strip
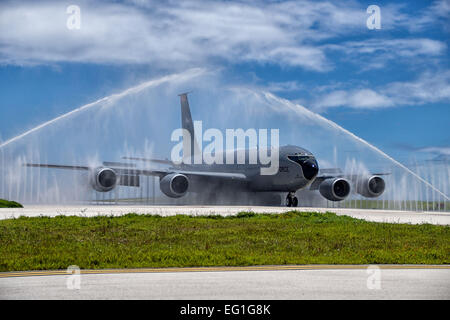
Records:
x=9, y=204
x=134, y=241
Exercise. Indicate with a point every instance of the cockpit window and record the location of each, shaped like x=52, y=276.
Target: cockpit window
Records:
x=297, y=158
x=309, y=165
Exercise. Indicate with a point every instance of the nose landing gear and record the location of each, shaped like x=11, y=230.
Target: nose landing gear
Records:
x=291, y=200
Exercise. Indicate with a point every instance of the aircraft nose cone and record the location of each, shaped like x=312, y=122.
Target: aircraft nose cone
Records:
x=310, y=168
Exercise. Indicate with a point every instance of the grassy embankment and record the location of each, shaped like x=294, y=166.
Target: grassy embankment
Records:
x=9, y=204
x=246, y=239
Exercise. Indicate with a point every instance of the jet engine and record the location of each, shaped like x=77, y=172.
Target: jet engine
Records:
x=370, y=187
x=174, y=185
x=103, y=179
x=335, y=189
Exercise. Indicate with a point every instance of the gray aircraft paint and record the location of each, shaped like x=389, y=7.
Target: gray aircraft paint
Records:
x=205, y=178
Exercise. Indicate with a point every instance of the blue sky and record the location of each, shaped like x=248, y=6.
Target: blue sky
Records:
x=389, y=86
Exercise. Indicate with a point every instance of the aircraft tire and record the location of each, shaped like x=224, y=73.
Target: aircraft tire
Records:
x=289, y=201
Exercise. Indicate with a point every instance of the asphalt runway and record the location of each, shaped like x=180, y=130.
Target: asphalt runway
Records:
x=255, y=283
x=392, y=216
x=284, y=282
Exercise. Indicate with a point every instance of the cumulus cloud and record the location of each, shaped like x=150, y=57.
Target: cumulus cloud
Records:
x=436, y=150
x=187, y=33
x=362, y=98
x=286, y=86
x=437, y=14
x=165, y=34
x=377, y=53
x=428, y=88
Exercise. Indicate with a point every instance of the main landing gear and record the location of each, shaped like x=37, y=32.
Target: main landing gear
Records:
x=291, y=200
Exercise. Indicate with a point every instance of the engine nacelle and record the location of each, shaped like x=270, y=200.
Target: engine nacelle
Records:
x=336, y=189
x=174, y=185
x=370, y=187
x=103, y=179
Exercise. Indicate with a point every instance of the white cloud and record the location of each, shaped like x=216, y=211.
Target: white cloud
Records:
x=437, y=14
x=177, y=33
x=362, y=98
x=400, y=47
x=286, y=86
x=174, y=35
x=428, y=88
x=377, y=53
x=437, y=150
x=171, y=34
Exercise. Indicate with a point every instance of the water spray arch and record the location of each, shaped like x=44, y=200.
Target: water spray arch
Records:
x=139, y=122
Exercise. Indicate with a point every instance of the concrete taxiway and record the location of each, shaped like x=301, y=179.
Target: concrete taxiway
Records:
x=265, y=282
x=392, y=216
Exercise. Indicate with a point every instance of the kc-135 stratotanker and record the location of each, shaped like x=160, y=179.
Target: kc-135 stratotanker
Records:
x=297, y=170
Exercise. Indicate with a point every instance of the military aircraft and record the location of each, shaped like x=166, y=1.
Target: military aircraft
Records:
x=298, y=169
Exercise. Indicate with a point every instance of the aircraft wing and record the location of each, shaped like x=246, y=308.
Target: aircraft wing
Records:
x=163, y=172
x=161, y=161
x=212, y=174
x=317, y=181
x=56, y=166
x=123, y=169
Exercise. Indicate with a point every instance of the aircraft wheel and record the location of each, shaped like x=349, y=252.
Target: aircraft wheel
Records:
x=288, y=201
x=294, y=202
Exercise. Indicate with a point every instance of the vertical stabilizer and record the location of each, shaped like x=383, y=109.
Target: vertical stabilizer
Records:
x=189, y=139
